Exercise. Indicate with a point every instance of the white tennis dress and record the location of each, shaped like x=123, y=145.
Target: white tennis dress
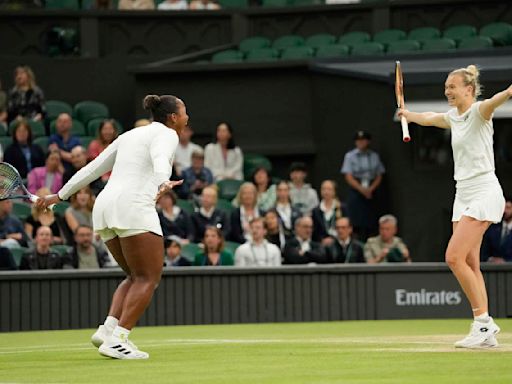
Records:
x=478, y=191
x=140, y=160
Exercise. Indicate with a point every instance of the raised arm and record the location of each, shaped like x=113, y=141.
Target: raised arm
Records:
x=426, y=119
x=488, y=106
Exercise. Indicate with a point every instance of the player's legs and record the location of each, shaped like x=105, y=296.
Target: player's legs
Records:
x=473, y=260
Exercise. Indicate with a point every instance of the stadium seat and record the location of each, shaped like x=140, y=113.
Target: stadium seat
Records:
x=276, y=3
x=255, y=42
x=231, y=246
x=424, y=33
x=42, y=142
x=366, y=49
x=335, y=50
x=499, y=32
x=62, y=250
x=288, y=41
x=62, y=4
x=459, y=32
x=7, y=260
x=21, y=209
x=190, y=250
x=404, y=46
x=252, y=161
x=475, y=42
x=61, y=207
x=228, y=188
x=225, y=206
x=297, y=53
x=352, y=38
x=17, y=254
x=228, y=56
x=55, y=107
x=320, y=40
x=389, y=35
x=5, y=141
x=442, y=44
x=86, y=140
x=234, y=3
x=37, y=127
x=94, y=125
x=77, y=128
x=186, y=205
x=88, y=110
x=262, y=54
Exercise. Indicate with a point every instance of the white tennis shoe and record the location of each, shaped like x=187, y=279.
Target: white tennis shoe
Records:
x=118, y=348
x=481, y=335
x=100, y=335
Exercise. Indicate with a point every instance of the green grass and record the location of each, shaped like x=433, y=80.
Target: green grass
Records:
x=406, y=351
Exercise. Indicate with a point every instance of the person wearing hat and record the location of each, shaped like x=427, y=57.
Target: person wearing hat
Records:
x=363, y=172
x=303, y=196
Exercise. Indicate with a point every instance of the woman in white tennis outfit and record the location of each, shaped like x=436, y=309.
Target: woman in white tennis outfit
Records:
x=124, y=215
x=479, y=198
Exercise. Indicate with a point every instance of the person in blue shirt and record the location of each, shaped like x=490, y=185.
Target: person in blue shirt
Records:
x=63, y=140
x=195, y=177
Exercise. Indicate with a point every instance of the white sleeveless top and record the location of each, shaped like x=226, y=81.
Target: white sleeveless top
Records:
x=472, y=142
x=140, y=160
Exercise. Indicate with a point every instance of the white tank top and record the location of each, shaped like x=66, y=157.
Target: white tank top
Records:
x=472, y=142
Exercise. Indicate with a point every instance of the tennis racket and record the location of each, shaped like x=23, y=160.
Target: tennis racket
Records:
x=399, y=93
x=11, y=185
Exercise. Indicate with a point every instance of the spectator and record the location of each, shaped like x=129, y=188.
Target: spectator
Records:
x=204, y=5
x=386, y=247
x=363, y=172
x=26, y=99
x=80, y=210
x=242, y=216
x=208, y=215
x=185, y=149
x=223, y=158
x=301, y=249
x=42, y=257
x=39, y=218
x=325, y=215
x=275, y=232
x=497, y=243
x=78, y=161
x=135, y=5
x=173, y=256
x=85, y=254
x=266, y=190
x=196, y=177
x=22, y=153
x=12, y=234
x=258, y=252
x=49, y=176
x=303, y=196
x=63, y=141
x=345, y=249
x=214, y=253
x=173, y=220
x=288, y=214
x=173, y=5
x=107, y=133
x=3, y=111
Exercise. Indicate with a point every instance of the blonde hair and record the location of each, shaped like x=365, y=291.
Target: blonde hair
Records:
x=246, y=185
x=30, y=75
x=36, y=212
x=470, y=76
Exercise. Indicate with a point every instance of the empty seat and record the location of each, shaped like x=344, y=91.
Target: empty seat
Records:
x=320, y=40
x=55, y=107
x=475, y=42
x=228, y=188
x=77, y=128
x=355, y=37
x=424, y=33
x=297, y=53
x=88, y=110
x=404, y=46
x=499, y=32
x=255, y=42
x=228, y=56
x=262, y=54
x=335, y=50
x=389, y=35
x=459, y=32
x=366, y=49
x=288, y=41
x=442, y=44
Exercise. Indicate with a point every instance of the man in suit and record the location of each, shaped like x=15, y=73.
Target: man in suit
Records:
x=301, y=249
x=497, y=242
x=345, y=249
x=209, y=215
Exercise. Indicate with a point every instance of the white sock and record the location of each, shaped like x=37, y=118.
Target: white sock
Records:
x=483, y=318
x=110, y=323
x=121, y=333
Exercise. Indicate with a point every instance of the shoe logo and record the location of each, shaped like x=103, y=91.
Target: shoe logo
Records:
x=484, y=329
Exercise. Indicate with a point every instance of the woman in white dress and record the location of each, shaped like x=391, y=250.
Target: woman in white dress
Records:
x=125, y=217
x=479, y=198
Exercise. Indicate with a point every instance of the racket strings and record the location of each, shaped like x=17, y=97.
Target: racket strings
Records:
x=9, y=181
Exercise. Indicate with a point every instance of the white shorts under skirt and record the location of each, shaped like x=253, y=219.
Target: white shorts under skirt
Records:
x=480, y=197
x=107, y=234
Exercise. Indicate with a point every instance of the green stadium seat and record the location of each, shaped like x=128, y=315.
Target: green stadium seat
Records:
x=335, y=50
x=255, y=42
x=355, y=37
x=475, y=42
x=21, y=209
x=368, y=49
x=55, y=107
x=190, y=250
x=224, y=205
x=320, y=40
x=499, y=32
x=88, y=110
x=389, y=35
x=297, y=53
x=442, y=44
x=228, y=188
x=262, y=54
x=186, y=205
x=62, y=250
x=94, y=125
x=459, y=32
x=62, y=4
x=276, y=3
x=252, y=161
x=61, y=207
x=17, y=254
x=37, y=127
x=424, y=33
x=404, y=46
x=5, y=141
x=299, y=3
x=228, y=56
x=231, y=246
x=288, y=41
x=77, y=128
x=42, y=142
x=86, y=140
x=234, y=3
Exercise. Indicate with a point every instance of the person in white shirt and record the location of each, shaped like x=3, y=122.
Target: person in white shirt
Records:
x=223, y=157
x=125, y=217
x=258, y=252
x=303, y=196
x=479, y=198
x=183, y=158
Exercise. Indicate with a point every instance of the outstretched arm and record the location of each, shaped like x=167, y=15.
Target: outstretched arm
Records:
x=488, y=106
x=426, y=119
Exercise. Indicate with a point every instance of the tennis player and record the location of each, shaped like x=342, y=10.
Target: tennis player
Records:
x=479, y=198
x=125, y=217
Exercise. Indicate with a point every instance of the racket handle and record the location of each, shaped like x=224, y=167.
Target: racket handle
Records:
x=34, y=198
x=405, y=130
